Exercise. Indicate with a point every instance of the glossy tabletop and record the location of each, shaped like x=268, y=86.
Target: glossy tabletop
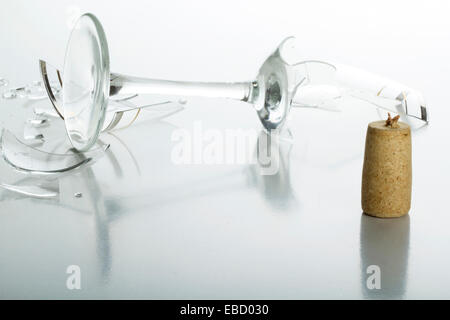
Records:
x=149, y=227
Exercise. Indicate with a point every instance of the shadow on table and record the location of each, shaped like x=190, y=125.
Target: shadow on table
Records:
x=385, y=243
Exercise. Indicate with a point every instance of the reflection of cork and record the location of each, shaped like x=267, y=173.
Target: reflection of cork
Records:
x=386, y=180
x=385, y=243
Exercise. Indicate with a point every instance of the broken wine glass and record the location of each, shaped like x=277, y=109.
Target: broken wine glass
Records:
x=283, y=81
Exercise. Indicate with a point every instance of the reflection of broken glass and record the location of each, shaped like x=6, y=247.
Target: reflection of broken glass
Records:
x=31, y=191
x=27, y=158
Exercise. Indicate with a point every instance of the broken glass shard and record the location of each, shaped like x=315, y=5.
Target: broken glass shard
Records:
x=127, y=113
x=46, y=112
x=31, y=133
x=10, y=94
x=38, y=122
x=31, y=191
x=29, y=159
x=35, y=91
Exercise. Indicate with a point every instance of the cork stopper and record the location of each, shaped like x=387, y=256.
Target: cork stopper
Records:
x=387, y=170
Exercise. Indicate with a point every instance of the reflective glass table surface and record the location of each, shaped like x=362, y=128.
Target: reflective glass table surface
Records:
x=141, y=225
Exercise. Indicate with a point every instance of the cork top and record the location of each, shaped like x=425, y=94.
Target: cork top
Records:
x=381, y=125
x=390, y=125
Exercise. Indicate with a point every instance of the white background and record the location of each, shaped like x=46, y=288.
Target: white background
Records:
x=228, y=237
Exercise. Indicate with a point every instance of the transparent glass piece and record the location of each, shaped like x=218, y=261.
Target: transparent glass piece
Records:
x=37, y=142
x=3, y=82
x=38, y=122
x=52, y=81
x=26, y=158
x=20, y=92
x=284, y=80
x=112, y=119
x=121, y=108
x=31, y=133
x=125, y=97
x=381, y=92
x=45, y=112
x=31, y=191
x=85, y=82
x=127, y=114
x=35, y=91
x=327, y=86
x=9, y=94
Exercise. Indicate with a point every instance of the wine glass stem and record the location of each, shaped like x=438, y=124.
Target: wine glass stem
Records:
x=130, y=85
